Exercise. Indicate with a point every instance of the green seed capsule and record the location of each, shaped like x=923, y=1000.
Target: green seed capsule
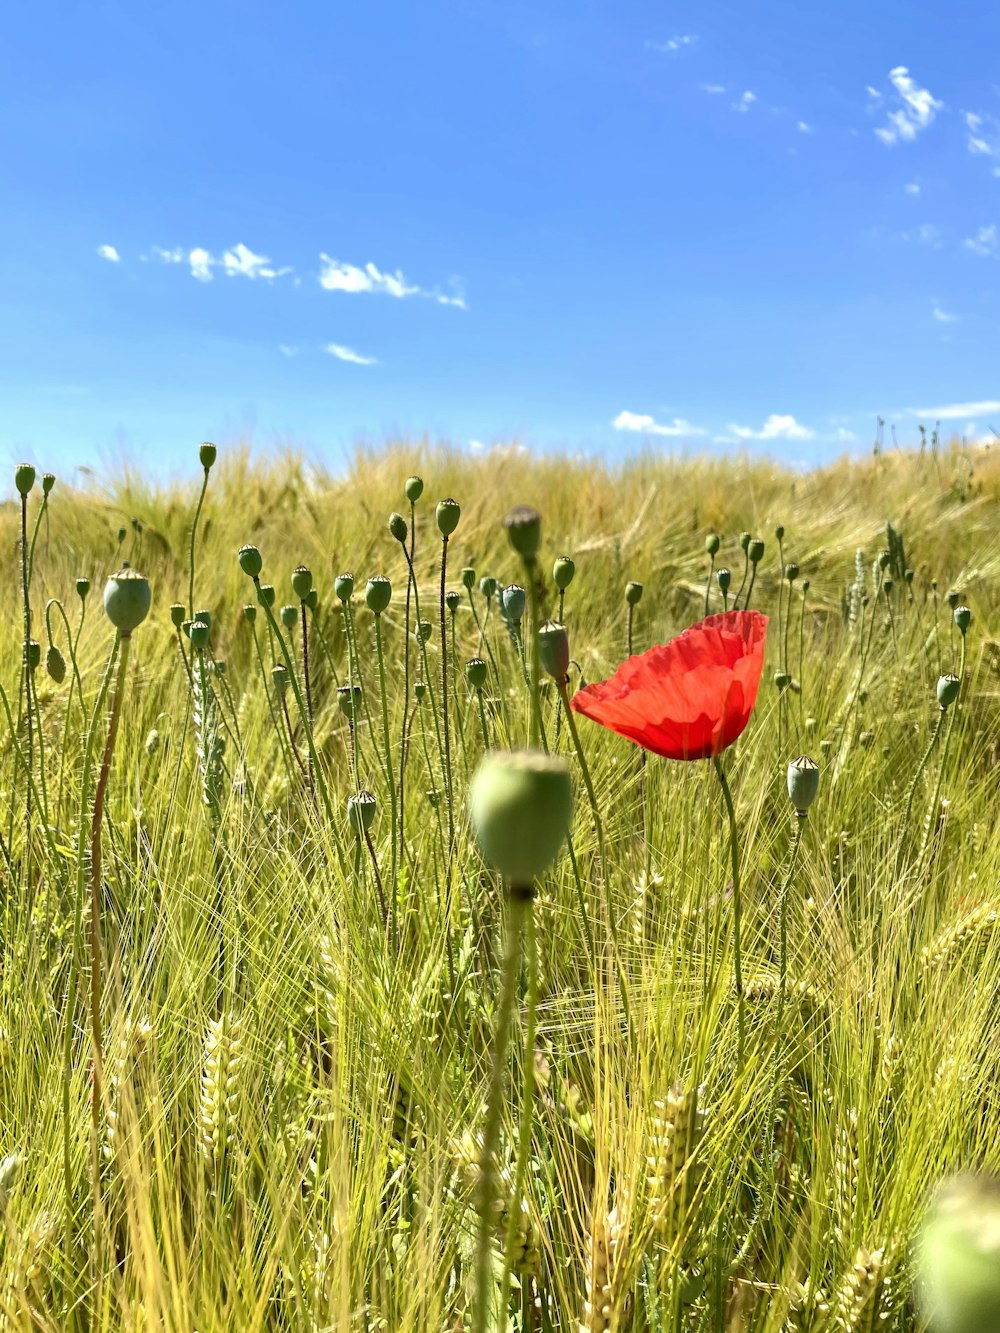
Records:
x=207, y=454
x=908, y=576
x=779, y=532
x=424, y=631
x=884, y=559
x=82, y=587
x=448, y=513
x=953, y=599
x=488, y=586
x=266, y=594
x=452, y=601
x=204, y=616
x=361, y=812
x=419, y=690
x=744, y=542
x=948, y=688
x=782, y=680
x=414, y=489
x=523, y=524
x=279, y=678
x=791, y=572
x=633, y=593
x=959, y=1257
x=289, y=616
x=34, y=654
x=121, y=535
x=311, y=599
x=562, y=572
x=803, y=783
x=24, y=478
x=712, y=544
x=219, y=666
x=475, y=672
x=398, y=527
x=48, y=481
x=724, y=578
x=963, y=618
x=553, y=649
x=378, y=593
x=468, y=578
x=198, y=634
x=302, y=581
x=127, y=598
x=250, y=561
x=250, y=613
x=755, y=551
x=512, y=602
x=521, y=805
x=343, y=586
x=176, y=615
x=55, y=664
x=349, y=700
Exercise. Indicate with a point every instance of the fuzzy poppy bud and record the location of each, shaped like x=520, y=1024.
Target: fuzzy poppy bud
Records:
x=512, y=601
x=448, y=513
x=266, y=594
x=24, y=478
x=953, y=599
x=176, y=615
x=521, y=804
x=198, y=634
x=250, y=561
x=452, y=600
x=34, y=654
x=958, y=1257
x=712, y=544
x=289, y=616
x=311, y=599
x=361, y=812
x=55, y=664
x=250, y=613
x=468, y=576
x=343, y=586
x=48, y=481
x=414, y=489
x=398, y=528
x=948, y=687
x=349, y=700
x=488, y=586
x=524, y=529
x=207, y=454
x=963, y=618
x=791, y=572
x=82, y=587
x=302, y=581
x=553, y=649
x=724, y=578
x=755, y=551
x=424, y=631
x=803, y=783
x=419, y=690
x=378, y=593
x=744, y=542
x=633, y=593
x=475, y=672
x=563, y=570
x=279, y=678
x=127, y=598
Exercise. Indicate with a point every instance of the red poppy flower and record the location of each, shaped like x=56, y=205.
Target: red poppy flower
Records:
x=689, y=698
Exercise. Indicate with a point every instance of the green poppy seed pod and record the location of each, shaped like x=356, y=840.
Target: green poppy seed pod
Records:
x=250, y=561
x=34, y=654
x=127, y=598
x=791, y=572
x=887, y=586
x=803, y=783
x=302, y=581
x=633, y=593
x=712, y=544
x=948, y=687
x=361, y=812
x=48, y=481
x=24, y=478
x=424, y=631
x=414, y=489
x=553, y=649
x=805, y=585
x=82, y=587
x=452, y=600
x=908, y=576
x=433, y=798
x=779, y=532
x=176, y=615
x=289, y=616
x=744, y=542
x=378, y=593
x=219, y=666
x=884, y=559
x=207, y=454
x=448, y=513
x=953, y=599
x=958, y=1257
x=488, y=586
x=250, y=613
x=198, y=634
x=152, y=742
x=343, y=586
x=724, y=578
x=468, y=577
x=512, y=601
x=782, y=680
x=755, y=551
x=963, y=617
x=311, y=599
x=266, y=594
x=279, y=678
x=349, y=700
x=186, y=627
x=121, y=535
x=563, y=570
x=55, y=664
x=419, y=690
x=521, y=804
x=398, y=527
x=205, y=617
x=475, y=672
x=524, y=530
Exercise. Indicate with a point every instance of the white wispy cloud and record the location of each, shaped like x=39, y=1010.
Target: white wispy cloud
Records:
x=985, y=243
x=744, y=102
x=983, y=137
x=174, y=256
x=778, y=426
x=915, y=111
x=642, y=424
x=288, y=351
x=956, y=411
x=339, y=277
x=912, y=188
x=348, y=354
x=713, y=89
x=242, y=261
x=238, y=261
x=673, y=44
x=201, y=263
x=943, y=316
x=109, y=253
x=805, y=127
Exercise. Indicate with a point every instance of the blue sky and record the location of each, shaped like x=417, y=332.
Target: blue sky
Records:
x=586, y=224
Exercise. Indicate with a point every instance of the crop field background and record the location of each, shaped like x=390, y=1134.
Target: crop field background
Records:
x=278, y=1121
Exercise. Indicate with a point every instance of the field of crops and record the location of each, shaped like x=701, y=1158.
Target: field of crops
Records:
x=295, y=1036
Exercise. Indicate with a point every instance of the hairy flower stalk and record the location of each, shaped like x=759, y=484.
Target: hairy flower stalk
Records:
x=24, y=479
x=377, y=596
x=803, y=784
x=734, y=851
x=448, y=514
x=712, y=544
x=206, y=456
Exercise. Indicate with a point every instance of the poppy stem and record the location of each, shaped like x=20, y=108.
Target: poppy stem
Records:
x=800, y=821
x=708, y=582
x=734, y=851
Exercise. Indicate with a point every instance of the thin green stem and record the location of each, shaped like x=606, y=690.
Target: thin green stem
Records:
x=449, y=790
x=390, y=779
x=194, y=538
x=734, y=850
x=527, y=1093
x=800, y=822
